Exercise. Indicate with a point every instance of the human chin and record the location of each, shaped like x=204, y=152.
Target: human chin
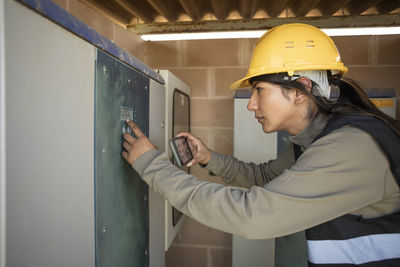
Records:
x=267, y=128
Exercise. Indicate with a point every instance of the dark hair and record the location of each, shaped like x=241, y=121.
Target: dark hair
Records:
x=352, y=99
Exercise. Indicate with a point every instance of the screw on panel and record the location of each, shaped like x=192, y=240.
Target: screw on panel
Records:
x=145, y=197
x=145, y=87
x=104, y=229
x=104, y=69
x=104, y=150
x=145, y=252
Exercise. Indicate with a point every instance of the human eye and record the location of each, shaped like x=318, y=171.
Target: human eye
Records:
x=258, y=89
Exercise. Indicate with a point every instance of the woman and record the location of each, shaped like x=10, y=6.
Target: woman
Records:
x=339, y=180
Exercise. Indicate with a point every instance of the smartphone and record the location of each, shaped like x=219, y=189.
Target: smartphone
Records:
x=181, y=150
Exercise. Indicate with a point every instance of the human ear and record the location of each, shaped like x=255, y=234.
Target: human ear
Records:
x=305, y=82
x=300, y=95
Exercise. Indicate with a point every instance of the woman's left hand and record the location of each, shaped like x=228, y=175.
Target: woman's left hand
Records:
x=135, y=147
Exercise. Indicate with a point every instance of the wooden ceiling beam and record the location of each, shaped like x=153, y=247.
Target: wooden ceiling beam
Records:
x=263, y=24
x=247, y=8
x=170, y=9
x=111, y=10
x=275, y=8
x=194, y=9
x=356, y=7
x=220, y=8
x=143, y=10
x=329, y=7
x=301, y=8
x=387, y=6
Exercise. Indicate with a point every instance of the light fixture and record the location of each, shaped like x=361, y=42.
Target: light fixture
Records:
x=257, y=34
x=362, y=31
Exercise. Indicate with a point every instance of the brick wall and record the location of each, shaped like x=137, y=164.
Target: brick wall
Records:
x=373, y=61
x=123, y=38
x=208, y=67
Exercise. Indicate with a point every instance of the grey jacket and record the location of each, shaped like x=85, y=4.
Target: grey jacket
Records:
x=343, y=172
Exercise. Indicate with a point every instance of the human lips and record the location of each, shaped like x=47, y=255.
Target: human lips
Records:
x=259, y=118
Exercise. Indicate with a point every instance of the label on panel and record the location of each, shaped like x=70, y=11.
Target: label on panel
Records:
x=122, y=209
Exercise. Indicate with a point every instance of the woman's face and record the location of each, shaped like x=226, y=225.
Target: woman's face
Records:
x=273, y=110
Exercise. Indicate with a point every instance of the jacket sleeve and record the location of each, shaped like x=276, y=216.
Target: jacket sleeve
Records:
x=331, y=178
x=239, y=173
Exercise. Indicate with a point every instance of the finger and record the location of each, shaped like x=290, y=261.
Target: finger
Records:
x=136, y=130
x=127, y=146
x=186, y=134
x=125, y=155
x=129, y=138
x=189, y=136
x=194, y=161
x=193, y=147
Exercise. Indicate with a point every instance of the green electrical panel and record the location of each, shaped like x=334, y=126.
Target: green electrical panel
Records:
x=121, y=197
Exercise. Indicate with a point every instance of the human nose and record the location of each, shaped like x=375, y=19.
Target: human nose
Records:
x=252, y=105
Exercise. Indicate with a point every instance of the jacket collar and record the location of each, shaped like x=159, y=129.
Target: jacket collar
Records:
x=308, y=134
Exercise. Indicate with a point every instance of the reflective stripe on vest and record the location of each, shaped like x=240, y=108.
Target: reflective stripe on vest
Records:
x=357, y=250
x=351, y=240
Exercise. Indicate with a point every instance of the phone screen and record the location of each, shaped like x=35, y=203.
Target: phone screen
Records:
x=181, y=150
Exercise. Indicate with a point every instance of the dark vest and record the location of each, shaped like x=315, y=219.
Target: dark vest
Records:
x=351, y=240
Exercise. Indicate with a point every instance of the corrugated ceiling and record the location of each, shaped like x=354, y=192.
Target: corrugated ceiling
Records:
x=168, y=16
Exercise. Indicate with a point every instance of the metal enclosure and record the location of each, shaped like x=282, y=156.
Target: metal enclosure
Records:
x=251, y=144
x=2, y=140
x=156, y=201
x=121, y=197
x=49, y=136
x=172, y=84
x=67, y=196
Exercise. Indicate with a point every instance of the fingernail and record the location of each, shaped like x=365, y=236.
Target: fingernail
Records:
x=189, y=164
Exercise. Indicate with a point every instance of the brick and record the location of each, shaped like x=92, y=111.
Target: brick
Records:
x=221, y=257
x=387, y=49
x=203, y=134
x=129, y=41
x=224, y=77
x=376, y=76
x=354, y=50
x=223, y=141
x=178, y=256
x=212, y=53
x=92, y=18
x=195, y=78
x=211, y=112
x=247, y=50
x=195, y=233
x=161, y=54
x=61, y=3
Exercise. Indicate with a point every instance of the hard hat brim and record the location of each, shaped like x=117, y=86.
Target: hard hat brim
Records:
x=244, y=82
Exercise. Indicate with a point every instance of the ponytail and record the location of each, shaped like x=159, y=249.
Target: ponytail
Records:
x=353, y=99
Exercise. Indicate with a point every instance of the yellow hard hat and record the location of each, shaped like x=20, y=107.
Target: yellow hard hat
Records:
x=292, y=47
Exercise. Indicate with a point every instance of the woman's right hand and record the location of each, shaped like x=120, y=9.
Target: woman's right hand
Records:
x=201, y=153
